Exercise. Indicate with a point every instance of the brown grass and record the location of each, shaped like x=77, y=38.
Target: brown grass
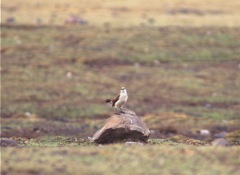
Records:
x=126, y=13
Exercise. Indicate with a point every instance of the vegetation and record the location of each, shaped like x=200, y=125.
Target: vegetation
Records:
x=179, y=62
x=179, y=69
x=164, y=157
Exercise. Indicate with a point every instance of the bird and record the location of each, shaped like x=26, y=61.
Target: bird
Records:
x=119, y=101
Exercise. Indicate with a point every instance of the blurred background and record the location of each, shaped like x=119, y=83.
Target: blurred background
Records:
x=179, y=60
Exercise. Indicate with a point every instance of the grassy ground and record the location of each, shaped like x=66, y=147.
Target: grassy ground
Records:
x=55, y=80
x=179, y=62
x=189, y=70
x=159, y=156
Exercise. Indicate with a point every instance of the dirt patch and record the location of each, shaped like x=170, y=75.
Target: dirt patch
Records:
x=35, y=129
x=70, y=40
x=189, y=11
x=28, y=26
x=105, y=62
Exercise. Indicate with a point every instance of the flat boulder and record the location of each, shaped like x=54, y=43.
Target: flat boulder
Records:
x=122, y=127
x=6, y=142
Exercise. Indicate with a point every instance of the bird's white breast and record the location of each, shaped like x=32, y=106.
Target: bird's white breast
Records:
x=122, y=99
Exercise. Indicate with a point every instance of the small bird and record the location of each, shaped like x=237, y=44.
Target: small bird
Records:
x=120, y=100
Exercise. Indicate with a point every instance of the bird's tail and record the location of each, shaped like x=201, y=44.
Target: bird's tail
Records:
x=108, y=101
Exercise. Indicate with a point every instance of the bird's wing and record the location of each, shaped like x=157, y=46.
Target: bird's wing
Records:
x=115, y=100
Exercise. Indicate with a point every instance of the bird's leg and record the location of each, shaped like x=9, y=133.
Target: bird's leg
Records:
x=121, y=110
x=116, y=111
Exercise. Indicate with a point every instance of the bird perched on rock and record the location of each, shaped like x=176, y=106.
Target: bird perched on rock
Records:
x=120, y=100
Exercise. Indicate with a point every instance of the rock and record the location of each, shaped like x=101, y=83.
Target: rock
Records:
x=208, y=105
x=133, y=143
x=10, y=20
x=204, y=132
x=76, y=20
x=124, y=127
x=5, y=142
x=137, y=65
x=220, y=142
x=69, y=75
x=220, y=135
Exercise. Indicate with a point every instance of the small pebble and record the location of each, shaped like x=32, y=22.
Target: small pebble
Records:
x=133, y=143
x=204, y=132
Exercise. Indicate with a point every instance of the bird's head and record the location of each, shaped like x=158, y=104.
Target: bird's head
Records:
x=123, y=90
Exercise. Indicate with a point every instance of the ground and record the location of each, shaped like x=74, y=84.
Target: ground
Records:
x=161, y=157
x=180, y=63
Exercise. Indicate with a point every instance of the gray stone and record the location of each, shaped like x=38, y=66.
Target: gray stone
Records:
x=220, y=142
x=5, y=142
x=134, y=143
x=221, y=134
x=122, y=127
x=204, y=132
